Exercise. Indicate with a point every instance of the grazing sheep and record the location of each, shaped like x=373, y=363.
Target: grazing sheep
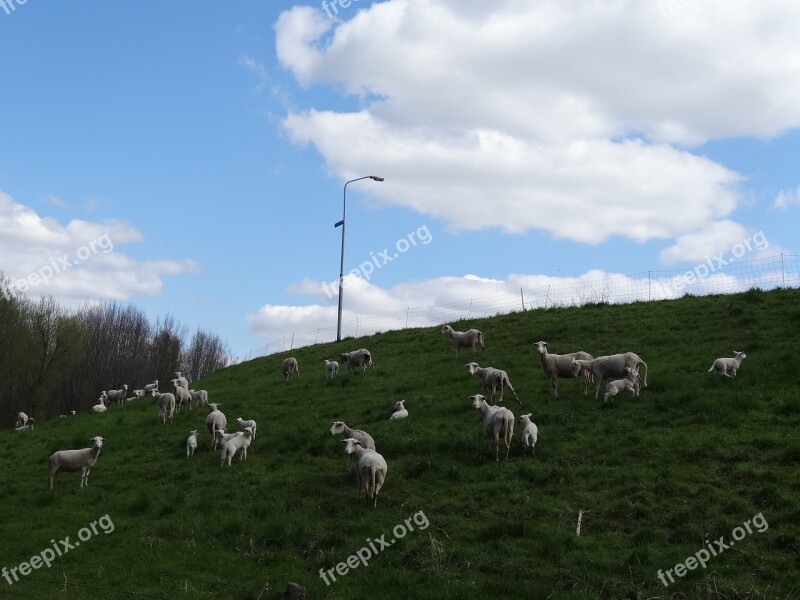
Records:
x=223, y=438
x=139, y=393
x=118, y=395
x=399, y=411
x=182, y=395
x=151, y=386
x=365, y=439
x=493, y=379
x=215, y=420
x=604, y=367
x=357, y=359
x=22, y=420
x=27, y=427
x=530, y=434
x=498, y=422
x=182, y=382
x=199, y=397
x=558, y=365
x=191, y=443
x=166, y=405
x=630, y=384
x=370, y=470
x=75, y=460
x=242, y=424
x=240, y=444
x=464, y=339
x=331, y=368
x=728, y=366
x=289, y=367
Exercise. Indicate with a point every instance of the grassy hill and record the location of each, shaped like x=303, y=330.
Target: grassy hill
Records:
x=658, y=477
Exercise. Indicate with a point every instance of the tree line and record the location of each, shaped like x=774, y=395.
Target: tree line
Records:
x=53, y=360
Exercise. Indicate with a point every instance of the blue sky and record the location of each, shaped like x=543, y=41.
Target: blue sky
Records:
x=533, y=141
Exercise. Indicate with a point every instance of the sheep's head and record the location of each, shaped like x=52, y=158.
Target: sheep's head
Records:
x=337, y=427
x=575, y=367
x=212, y=406
x=351, y=445
x=398, y=406
x=193, y=432
x=739, y=355
x=477, y=400
x=526, y=418
x=473, y=368
x=541, y=347
x=97, y=442
x=343, y=356
x=219, y=433
x=177, y=373
x=447, y=330
x=248, y=431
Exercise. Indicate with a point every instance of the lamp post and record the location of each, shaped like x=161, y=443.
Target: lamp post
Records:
x=341, y=261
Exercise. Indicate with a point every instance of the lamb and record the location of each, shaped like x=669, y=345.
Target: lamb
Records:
x=558, y=365
x=101, y=407
x=182, y=395
x=166, y=405
x=27, y=427
x=497, y=421
x=363, y=437
x=22, y=420
x=493, y=379
x=118, y=395
x=239, y=443
x=331, y=368
x=530, y=434
x=371, y=469
x=138, y=393
x=357, y=359
x=728, y=366
x=289, y=367
x=604, y=367
x=75, y=460
x=191, y=443
x=630, y=384
x=215, y=420
x=151, y=386
x=398, y=411
x=223, y=438
x=242, y=424
x=182, y=382
x=464, y=339
x=199, y=397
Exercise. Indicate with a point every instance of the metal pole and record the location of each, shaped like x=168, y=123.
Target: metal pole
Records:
x=523, y=299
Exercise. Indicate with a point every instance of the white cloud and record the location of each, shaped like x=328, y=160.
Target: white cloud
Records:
x=786, y=198
x=255, y=67
x=35, y=251
x=699, y=245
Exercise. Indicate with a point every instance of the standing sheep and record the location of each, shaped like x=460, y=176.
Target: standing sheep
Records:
x=166, y=405
x=370, y=470
x=74, y=460
x=357, y=359
x=215, y=420
x=493, y=379
x=240, y=444
x=331, y=368
x=182, y=395
x=630, y=384
x=464, y=339
x=604, y=367
x=498, y=422
x=558, y=365
x=22, y=420
x=289, y=368
x=530, y=434
x=118, y=395
x=249, y=423
x=191, y=443
x=728, y=366
x=182, y=381
x=199, y=397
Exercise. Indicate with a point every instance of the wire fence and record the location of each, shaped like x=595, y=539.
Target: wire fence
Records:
x=782, y=271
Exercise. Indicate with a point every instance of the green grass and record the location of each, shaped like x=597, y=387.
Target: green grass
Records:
x=691, y=459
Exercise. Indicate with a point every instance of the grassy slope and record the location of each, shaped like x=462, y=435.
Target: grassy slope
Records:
x=692, y=458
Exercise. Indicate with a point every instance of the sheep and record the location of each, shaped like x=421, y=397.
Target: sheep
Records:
x=22, y=420
x=630, y=383
x=166, y=405
x=118, y=395
x=331, y=368
x=242, y=424
x=493, y=379
x=464, y=339
x=215, y=420
x=530, y=434
x=75, y=460
x=498, y=422
x=604, y=367
x=357, y=359
x=371, y=469
x=290, y=367
x=101, y=407
x=238, y=443
x=363, y=437
x=71, y=413
x=558, y=365
x=728, y=366
x=151, y=386
x=199, y=397
x=182, y=395
x=223, y=438
x=191, y=443
x=182, y=382
x=27, y=427
x=399, y=411
x=138, y=393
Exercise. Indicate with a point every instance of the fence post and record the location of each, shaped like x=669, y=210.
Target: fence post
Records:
x=523, y=299
x=649, y=295
x=356, y=326
x=783, y=272
x=469, y=310
x=407, y=309
x=316, y=339
x=291, y=344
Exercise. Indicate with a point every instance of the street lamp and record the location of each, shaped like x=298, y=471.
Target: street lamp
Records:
x=341, y=262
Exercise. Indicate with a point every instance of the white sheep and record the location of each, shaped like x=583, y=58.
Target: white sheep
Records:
x=239, y=444
x=249, y=423
x=27, y=427
x=118, y=395
x=289, y=367
x=199, y=397
x=191, y=443
x=331, y=368
x=493, y=379
x=166, y=405
x=464, y=339
x=365, y=439
x=223, y=438
x=215, y=420
x=71, y=413
x=605, y=367
x=399, y=411
x=558, y=365
x=151, y=386
x=498, y=422
x=139, y=393
x=182, y=382
x=75, y=460
x=182, y=395
x=530, y=434
x=728, y=366
x=630, y=384
x=370, y=470
x=101, y=407
x=22, y=420
x=357, y=359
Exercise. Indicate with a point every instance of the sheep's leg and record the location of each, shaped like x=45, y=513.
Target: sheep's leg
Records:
x=597, y=389
x=513, y=392
x=554, y=388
